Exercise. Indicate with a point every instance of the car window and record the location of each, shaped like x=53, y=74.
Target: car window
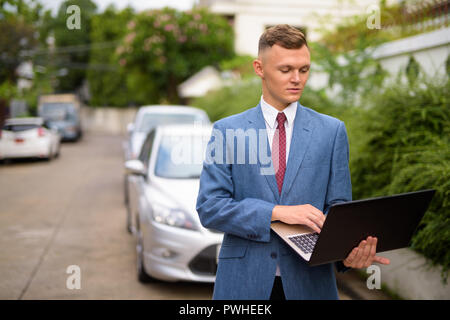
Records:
x=150, y=121
x=58, y=111
x=20, y=127
x=147, y=148
x=180, y=157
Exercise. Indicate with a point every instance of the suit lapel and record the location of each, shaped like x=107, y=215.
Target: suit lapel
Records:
x=301, y=137
x=256, y=120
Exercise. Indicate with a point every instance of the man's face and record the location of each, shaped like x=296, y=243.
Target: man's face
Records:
x=284, y=73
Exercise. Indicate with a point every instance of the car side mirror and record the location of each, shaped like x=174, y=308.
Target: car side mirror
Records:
x=130, y=128
x=135, y=167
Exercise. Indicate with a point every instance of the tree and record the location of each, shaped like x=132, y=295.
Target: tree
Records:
x=75, y=57
x=164, y=47
x=107, y=81
x=20, y=37
x=17, y=21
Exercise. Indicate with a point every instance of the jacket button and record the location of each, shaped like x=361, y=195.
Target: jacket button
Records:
x=273, y=255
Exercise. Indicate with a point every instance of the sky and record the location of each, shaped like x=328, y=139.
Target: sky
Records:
x=137, y=4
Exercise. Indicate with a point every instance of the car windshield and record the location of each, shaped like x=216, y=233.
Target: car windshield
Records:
x=181, y=157
x=150, y=121
x=20, y=127
x=58, y=111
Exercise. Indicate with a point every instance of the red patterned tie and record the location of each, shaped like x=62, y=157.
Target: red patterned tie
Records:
x=279, y=150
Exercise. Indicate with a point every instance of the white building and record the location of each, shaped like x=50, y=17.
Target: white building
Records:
x=251, y=17
x=200, y=83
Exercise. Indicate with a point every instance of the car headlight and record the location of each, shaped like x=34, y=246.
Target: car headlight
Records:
x=173, y=217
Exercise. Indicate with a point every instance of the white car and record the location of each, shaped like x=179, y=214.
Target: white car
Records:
x=172, y=244
x=28, y=138
x=147, y=118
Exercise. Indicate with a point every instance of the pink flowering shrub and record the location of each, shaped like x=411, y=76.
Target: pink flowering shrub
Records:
x=168, y=46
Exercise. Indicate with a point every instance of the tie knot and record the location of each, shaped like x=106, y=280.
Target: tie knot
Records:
x=281, y=118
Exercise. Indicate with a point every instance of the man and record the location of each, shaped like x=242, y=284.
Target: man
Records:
x=309, y=153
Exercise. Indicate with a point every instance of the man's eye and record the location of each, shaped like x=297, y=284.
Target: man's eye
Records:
x=285, y=71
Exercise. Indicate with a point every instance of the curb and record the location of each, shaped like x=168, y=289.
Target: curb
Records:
x=354, y=286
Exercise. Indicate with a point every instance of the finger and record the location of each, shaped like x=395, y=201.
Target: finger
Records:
x=319, y=214
x=317, y=220
x=312, y=225
x=373, y=250
x=365, y=253
x=351, y=257
x=357, y=262
x=369, y=251
x=381, y=260
x=367, y=247
x=316, y=212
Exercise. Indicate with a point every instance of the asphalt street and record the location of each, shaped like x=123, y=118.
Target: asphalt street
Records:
x=70, y=212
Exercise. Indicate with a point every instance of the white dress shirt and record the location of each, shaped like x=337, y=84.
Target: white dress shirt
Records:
x=270, y=116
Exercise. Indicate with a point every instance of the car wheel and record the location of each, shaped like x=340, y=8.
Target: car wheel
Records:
x=125, y=189
x=141, y=273
x=129, y=226
x=58, y=151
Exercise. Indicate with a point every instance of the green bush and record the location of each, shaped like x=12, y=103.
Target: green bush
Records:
x=231, y=99
x=406, y=147
x=108, y=86
x=399, y=142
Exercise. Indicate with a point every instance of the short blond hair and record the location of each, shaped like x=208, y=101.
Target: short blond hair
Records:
x=283, y=35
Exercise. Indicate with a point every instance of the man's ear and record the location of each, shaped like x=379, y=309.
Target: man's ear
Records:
x=257, y=66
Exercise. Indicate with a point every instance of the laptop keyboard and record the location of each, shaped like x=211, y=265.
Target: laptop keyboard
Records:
x=306, y=241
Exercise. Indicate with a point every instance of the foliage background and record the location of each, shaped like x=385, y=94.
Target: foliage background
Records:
x=399, y=136
x=165, y=47
x=398, y=130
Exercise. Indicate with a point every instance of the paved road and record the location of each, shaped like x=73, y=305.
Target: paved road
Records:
x=70, y=211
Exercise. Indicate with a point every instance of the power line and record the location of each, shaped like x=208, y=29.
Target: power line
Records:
x=70, y=49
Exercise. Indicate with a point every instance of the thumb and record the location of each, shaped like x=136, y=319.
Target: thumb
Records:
x=381, y=260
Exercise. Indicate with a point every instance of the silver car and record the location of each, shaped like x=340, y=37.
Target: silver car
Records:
x=146, y=119
x=163, y=186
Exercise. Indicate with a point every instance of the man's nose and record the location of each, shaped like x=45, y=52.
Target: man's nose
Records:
x=295, y=77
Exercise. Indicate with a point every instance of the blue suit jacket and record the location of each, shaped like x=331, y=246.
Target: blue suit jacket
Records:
x=238, y=199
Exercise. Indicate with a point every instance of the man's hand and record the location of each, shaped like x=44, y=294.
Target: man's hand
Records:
x=304, y=214
x=363, y=255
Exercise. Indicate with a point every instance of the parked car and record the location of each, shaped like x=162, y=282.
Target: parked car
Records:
x=163, y=183
x=62, y=111
x=28, y=138
x=147, y=118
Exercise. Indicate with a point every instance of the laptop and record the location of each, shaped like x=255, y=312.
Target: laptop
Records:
x=392, y=219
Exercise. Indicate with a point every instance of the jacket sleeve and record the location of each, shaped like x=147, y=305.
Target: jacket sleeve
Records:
x=339, y=186
x=248, y=218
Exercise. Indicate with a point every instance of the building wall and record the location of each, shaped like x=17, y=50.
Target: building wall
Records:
x=251, y=17
x=431, y=51
x=106, y=119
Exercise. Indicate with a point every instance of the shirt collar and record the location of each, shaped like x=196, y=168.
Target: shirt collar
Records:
x=270, y=113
